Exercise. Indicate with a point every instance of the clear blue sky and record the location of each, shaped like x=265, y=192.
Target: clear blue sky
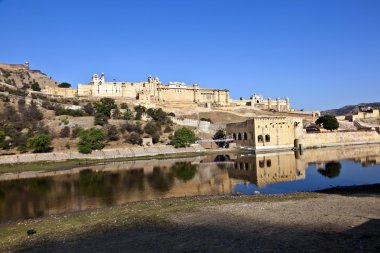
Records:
x=320, y=53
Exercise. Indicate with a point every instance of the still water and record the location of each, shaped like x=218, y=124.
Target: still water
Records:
x=36, y=194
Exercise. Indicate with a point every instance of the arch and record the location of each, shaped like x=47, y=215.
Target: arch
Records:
x=267, y=138
x=239, y=136
x=234, y=136
x=261, y=164
x=269, y=163
x=260, y=138
x=245, y=136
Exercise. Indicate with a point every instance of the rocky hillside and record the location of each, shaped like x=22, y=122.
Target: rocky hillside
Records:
x=19, y=75
x=349, y=109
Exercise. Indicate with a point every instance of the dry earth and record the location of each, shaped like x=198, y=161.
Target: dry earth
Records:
x=338, y=222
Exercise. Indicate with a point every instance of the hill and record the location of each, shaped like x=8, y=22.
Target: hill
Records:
x=349, y=109
x=20, y=76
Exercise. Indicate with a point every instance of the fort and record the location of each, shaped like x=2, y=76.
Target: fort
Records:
x=153, y=91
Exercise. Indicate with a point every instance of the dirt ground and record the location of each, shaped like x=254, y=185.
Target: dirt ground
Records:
x=335, y=221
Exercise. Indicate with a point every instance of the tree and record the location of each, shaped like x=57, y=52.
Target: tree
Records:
x=75, y=131
x=65, y=132
x=124, y=106
x=134, y=138
x=128, y=114
x=64, y=85
x=139, y=111
x=220, y=134
x=150, y=128
x=328, y=122
x=100, y=119
x=183, y=137
x=105, y=106
x=35, y=86
x=112, y=133
x=40, y=142
x=91, y=139
x=116, y=114
x=89, y=109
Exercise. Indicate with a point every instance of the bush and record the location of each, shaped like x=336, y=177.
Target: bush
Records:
x=100, y=119
x=40, y=142
x=91, y=139
x=130, y=127
x=62, y=111
x=124, y=106
x=168, y=129
x=64, y=85
x=105, y=106
x=116, y=114
x=155, y=138
x=134, y=138
x=171, y=114
x=150, y=128
x=328, y=122
x=220, y=134
x=183, y=137
x=65, y=132
x=128, y=114
x=139, y=111
x=89, y=109
x=75, y=131
x=35, y=86
x=159, y=116
x=112, y=133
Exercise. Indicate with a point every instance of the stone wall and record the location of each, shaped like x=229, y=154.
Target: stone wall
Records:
x=325, y=139
x=101, y=154
x=203, y=126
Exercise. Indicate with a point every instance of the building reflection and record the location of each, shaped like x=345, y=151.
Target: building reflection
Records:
x=267, y=169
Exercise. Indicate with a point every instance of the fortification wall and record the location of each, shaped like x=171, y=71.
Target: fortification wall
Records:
x=203, y=126
x=325, y=139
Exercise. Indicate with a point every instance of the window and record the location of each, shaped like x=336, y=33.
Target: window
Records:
x=267, y=138
x=261, y=164
x=260, y=138
x=245, y=136
x=269, y=163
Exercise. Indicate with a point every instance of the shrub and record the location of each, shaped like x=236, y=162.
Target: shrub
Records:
x=65, y=132
x=206, y=119
x=171, y=114
x=220, y=134
x=150, y=128
x=159, y=116
x=100, y=119
x=64, y=85
x=183, y=137
x=168, y=129
x=105, y=106
x=155, y=138
x=75, y=131
x=35, y=86
x=134, y=138
x=112, y=133
x=62, y=111
x=328, y=122
x=40, y=142
x=116, y=114
x=89, y=109
x=139, y=111
x=130, y=127
x=128, y=115
x=91, y=139
x=124, y=106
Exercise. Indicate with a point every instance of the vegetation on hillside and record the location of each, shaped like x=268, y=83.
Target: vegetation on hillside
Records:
x=328, y=122
x=183, y=137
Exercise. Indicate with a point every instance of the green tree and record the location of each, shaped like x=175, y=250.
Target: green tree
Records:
x=134, y=138
x=139, y=111
x=35, y=86
x=91, y=139
x=64, y=85
x=116, y=114
x=328, y=122
x=151, y=128
x=183, y=137
x=105, y=106
x=100, y=119
x=124, y=106
x=220, y=134
x=128, y=114
x=40, y=142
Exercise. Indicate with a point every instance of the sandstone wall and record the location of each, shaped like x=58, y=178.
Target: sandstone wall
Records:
x=339, y=138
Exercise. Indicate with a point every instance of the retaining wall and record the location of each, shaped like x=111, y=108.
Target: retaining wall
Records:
x=326, y=139
x=100, y=154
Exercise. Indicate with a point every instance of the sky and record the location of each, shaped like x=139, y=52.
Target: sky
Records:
x=322, y=54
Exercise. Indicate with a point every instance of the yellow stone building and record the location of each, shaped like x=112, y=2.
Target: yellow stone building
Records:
x=266, y=132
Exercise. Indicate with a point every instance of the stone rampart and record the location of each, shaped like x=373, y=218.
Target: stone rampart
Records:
x=325, y=139
x=203, y=126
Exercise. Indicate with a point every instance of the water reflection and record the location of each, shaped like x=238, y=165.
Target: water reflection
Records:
x=34, y=194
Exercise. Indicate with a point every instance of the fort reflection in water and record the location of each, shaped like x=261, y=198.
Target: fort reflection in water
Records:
x=35, y=194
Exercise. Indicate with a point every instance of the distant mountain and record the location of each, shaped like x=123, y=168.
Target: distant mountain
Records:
x=349, y=109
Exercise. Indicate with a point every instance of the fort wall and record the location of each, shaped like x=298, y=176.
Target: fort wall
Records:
x=325, y=139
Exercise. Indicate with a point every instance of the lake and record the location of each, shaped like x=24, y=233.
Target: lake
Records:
x=41, y=193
